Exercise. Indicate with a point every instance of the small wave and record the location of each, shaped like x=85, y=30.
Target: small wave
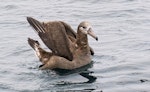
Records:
x=10, y=7
x=103, y=57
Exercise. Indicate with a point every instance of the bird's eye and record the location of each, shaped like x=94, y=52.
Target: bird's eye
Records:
x=84, y=27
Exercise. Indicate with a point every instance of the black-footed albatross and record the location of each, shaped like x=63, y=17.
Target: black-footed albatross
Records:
x=70, y=50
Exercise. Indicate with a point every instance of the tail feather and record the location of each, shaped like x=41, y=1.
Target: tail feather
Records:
x=35, y=45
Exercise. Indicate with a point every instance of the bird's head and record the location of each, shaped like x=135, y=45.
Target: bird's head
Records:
x=86, y=28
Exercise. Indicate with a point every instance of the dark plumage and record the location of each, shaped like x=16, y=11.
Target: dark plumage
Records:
x=69, y=49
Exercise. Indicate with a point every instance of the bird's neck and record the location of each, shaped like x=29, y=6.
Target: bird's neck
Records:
x=82, y=42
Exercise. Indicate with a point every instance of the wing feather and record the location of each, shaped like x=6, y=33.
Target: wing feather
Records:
x=69, y=30
x=54, y=36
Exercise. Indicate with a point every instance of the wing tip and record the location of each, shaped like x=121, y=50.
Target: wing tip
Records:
x=36, y=25
x=30, y=19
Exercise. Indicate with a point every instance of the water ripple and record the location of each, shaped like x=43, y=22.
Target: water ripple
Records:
x=121, y=60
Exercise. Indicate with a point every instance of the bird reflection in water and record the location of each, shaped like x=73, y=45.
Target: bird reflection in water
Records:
x=83, y=71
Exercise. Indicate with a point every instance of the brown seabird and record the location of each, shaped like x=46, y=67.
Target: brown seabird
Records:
x=70, y=50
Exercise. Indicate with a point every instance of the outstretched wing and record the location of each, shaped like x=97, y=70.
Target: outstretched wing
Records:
x=54, y=36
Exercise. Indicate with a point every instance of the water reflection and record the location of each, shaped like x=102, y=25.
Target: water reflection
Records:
x=83, y=71
x=90, y=78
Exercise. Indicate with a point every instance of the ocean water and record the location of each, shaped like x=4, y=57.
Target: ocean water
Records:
x=122, y=54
